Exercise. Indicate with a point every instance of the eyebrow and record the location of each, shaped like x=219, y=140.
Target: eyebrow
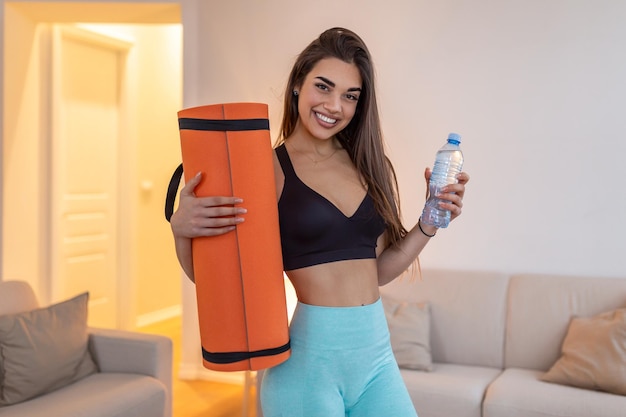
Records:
x=332, y=84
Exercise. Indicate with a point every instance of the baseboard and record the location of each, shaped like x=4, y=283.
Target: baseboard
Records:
x=159, y=315
x=190, y=371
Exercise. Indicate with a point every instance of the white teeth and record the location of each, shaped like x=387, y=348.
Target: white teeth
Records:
x=325, y=119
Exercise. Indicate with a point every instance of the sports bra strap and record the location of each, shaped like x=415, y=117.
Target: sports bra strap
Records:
x=285, y=162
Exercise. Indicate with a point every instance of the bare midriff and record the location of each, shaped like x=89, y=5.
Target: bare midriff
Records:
x=337, y=284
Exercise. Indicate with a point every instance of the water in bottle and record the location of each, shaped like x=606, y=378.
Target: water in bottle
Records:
x=448, y=165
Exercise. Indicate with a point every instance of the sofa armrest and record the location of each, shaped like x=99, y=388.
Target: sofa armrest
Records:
x=131, y=352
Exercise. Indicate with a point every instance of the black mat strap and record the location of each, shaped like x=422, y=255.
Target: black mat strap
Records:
x=234, y=125
x=172, y=189
x=230, y=357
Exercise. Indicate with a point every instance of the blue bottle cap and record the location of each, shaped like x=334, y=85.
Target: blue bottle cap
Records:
x=454, y=138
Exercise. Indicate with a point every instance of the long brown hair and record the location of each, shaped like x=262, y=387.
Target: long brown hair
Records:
x=362, y=138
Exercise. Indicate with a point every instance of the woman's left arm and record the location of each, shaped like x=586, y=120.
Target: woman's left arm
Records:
x=394, y=260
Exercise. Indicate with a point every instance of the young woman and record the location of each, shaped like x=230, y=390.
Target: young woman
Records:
x=341, y=233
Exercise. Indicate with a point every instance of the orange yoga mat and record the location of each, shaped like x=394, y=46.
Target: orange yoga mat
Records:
x=242, y=309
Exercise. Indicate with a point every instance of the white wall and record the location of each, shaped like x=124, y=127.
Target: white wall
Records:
x=23, y=149
x=534, y=87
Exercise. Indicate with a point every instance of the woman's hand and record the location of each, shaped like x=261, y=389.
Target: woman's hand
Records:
x=452, y=193
x=204, y=216
x=393, y=260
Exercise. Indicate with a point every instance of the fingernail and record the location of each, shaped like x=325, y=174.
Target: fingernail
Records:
x=238, y=200
x=241, y=210
x=239, y=219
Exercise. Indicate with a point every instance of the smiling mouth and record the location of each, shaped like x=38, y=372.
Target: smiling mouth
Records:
x=325, y=119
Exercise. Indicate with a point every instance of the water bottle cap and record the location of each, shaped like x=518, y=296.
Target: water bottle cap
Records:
x=454, y=138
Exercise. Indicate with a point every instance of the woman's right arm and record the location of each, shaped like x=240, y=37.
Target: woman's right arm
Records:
x=201, y=216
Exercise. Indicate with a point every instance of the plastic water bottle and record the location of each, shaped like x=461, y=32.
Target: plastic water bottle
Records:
x=448, y=165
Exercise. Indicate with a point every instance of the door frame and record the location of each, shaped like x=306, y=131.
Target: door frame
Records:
x=125, y=304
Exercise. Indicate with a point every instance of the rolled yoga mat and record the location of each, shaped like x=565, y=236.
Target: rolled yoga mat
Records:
x=240, y=290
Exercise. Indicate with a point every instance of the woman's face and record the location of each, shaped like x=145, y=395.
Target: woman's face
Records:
x=327, y=98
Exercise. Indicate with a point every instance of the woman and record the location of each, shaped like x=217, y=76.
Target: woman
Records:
x=341, y=236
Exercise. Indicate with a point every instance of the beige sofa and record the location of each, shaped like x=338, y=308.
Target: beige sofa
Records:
x=133, y=375
x=493, y=336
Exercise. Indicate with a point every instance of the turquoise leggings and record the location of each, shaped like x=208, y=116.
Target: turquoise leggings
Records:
x=341, y=365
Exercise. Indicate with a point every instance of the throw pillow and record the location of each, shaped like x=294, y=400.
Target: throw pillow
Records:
x=593, y=354
x=409, y=328
x=43, y=350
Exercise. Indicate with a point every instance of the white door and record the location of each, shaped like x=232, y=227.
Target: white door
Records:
x=87, y=71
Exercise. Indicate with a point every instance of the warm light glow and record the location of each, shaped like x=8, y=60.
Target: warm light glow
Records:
x=292, y=299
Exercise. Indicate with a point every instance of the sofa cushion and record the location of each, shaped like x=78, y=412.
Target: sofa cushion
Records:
x=520, y=393
x=467, y=313
x=594, y=354
x=409, y=331
x=449, y=390
x=98, y=395
x=540, y=309
x=43, y=349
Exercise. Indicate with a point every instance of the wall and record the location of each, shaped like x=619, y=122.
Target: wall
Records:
x=1, y=130
x=22, y=151
x=534, y=87
x=160, y=81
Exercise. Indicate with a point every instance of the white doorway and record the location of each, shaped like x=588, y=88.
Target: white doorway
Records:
x=62, y=204
x=86, y=126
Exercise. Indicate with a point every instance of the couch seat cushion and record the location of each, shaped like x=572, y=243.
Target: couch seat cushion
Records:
x=520, y=393
x=448, y=389
x=98, y=395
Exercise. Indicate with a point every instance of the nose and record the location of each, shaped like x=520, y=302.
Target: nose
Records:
x=333, y=103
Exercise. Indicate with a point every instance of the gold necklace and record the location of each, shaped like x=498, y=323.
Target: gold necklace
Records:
x=315, y=162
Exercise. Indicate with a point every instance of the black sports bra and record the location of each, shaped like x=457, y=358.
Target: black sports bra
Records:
x=314, y=231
